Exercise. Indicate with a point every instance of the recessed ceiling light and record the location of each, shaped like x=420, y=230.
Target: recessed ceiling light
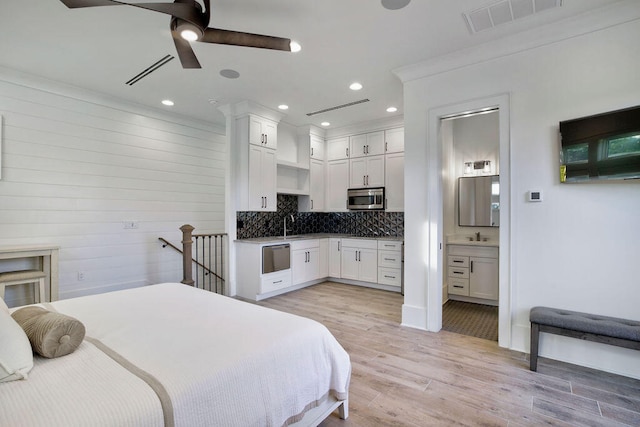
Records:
x=283, y=107
x=355, y=86
x=295, y=46
x=325, y=124
x=230, y=74
x=394, y=4
x=167, y=102
x=392, y=110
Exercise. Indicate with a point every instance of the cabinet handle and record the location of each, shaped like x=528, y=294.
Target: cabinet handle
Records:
x=459, y=261
x=471, y=266
x=262, y=138
x=277, y=281
x=367, y=148
x=266, y=139
x=338, y=246
x=311, y=151
x=364, y=149
x=389, y=277
x=386, y=146
x=389, y=259
x=364, y=180
x=458, y=286
x=347, y=150
x=311, y=204
x=458, y=272
x=367, y=179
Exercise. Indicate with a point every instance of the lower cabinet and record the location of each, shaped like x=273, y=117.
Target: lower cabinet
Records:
x=335, y=257
x=390, y=263
x=472, y=271
x=305, y=261
x=360, y=260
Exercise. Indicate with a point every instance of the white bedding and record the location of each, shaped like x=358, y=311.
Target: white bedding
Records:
x=221, y=361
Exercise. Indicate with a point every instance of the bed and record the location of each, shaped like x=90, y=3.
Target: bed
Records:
x=170, y=354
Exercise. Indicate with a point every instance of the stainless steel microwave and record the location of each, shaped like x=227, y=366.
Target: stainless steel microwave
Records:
x=365, y=198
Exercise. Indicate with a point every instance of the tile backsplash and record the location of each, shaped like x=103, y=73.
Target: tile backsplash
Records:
x=358, y=223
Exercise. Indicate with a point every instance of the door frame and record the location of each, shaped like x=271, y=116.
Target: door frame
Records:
x=436, y=243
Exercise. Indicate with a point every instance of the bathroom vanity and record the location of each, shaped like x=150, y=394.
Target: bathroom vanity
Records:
x=472, y=271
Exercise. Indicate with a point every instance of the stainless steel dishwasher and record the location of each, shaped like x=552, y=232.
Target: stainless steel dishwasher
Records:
x=276, y=258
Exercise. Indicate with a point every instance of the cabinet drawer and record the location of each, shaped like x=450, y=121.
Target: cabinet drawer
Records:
x=458, y=261
x=360, y=243
x=390, y=276
x=388, y=245
x=458, y=286
x=275, y=281
x=389, y=259
x=297, y=245
x=459, y=272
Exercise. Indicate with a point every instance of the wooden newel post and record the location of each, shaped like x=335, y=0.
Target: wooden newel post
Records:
x=187, y=247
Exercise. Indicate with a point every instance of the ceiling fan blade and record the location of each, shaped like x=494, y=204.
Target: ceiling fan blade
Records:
x=72, y=4
x=185, y=53
x=237, y=38
x=207, y=11
x=187, y=10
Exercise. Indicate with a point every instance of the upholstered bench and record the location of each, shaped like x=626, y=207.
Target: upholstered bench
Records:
x=590, y=327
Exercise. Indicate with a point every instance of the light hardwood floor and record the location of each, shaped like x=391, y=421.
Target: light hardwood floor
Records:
x=406, y=377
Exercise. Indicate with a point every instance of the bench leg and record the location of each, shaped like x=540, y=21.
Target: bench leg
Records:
x=533, y=355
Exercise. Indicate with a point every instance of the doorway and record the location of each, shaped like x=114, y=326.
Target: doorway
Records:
x=442, y=150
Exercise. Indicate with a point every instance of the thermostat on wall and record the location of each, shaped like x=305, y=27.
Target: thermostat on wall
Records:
x=535, y=196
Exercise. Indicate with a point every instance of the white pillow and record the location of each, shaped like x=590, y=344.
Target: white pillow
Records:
x=16, y=356
x=3, y=306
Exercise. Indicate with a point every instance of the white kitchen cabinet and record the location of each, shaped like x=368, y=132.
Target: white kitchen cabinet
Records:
x=262, y=179
x=368, y=144
x=366, y=172
x=252, y=284
x=338, y=148
x=390, y=263
x=472, y=271
x=316, y=148
x=337, y=185
x=316, y=186
x=335, y=255
x=394, y=140
x=394, y=182
x=360, y=260
x=263, y=132
x=323, y=258
x=305, y=260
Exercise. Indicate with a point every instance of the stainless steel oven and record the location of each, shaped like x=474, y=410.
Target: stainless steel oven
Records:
x=276, y=258
x=365, y=198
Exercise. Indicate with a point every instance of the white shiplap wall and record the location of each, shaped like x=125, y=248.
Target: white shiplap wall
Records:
x=75, y=167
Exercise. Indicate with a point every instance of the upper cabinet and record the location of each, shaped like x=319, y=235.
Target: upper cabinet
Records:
x=368, y=144
x=316, y=150
x=263, y=132
x=394, y=140
x=338, y=148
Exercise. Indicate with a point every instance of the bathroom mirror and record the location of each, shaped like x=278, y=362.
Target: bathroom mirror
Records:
x=479, y=201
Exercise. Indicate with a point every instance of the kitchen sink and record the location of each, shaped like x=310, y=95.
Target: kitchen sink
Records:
x=290, y=237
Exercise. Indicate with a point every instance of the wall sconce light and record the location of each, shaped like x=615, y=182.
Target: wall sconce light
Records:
x=486, y=169
x=468, y=168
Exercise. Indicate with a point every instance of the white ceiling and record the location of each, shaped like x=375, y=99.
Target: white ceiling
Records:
x=100, y=48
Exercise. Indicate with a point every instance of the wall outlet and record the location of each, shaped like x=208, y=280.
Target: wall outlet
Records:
x=80, y=275
x=129, y=225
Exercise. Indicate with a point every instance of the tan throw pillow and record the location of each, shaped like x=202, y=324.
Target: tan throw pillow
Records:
x=51, y=334
x=16, y=357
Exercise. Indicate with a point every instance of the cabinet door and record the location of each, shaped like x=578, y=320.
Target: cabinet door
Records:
x=256, y=134
x=335, y=258
x=394, y=182
x=262, y=179
x=323, y=258
x=357, y=173
x=375, y=143
x=313, y=264
x=375, y=171
x=299, y=266
x=358, y=145
x=270, y=131
x=316, y=186
x=263, y=132
x=483, y=278
x=316, y=148
x=338, y=148
x=350, y=263
x=337, y=185
x=368, y=265
x=394, y=140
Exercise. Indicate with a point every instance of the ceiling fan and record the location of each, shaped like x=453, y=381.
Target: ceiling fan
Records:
x=189, y=23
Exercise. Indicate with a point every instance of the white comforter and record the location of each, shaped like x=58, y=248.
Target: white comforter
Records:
x=221, y=361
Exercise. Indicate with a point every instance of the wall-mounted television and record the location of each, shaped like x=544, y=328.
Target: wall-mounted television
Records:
x=604, y=146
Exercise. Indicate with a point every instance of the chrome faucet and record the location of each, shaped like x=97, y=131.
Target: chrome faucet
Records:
x=285, y=224
x=478, y=236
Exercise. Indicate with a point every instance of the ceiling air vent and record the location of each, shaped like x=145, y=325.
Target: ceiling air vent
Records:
x=504, y=11
x=144, y=73
x=337, y=107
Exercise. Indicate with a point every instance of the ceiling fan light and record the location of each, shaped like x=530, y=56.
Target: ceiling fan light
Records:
x=189, y=35
x=295, y=46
